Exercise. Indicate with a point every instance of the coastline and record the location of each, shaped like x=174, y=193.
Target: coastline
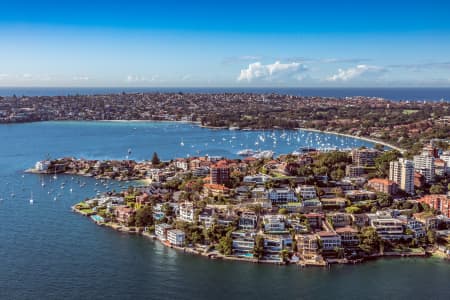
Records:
x=218, y=256
x=368, y=139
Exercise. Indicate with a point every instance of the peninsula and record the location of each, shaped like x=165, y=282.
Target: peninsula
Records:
x=404, y=124
x=308, y=208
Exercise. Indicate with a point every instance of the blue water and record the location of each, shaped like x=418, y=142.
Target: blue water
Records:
x=429, y=94
x=48, y=252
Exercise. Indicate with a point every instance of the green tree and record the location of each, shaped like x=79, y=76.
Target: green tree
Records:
x=284, y=255
x=283, y=211
x=437, y=189
x=352, y=210
x=225, y=245
x=431, y=236
x=369, y=240
x=384, y=199
x=382, y=162
x=258, y=250
x=144, y=216
x=155, y=159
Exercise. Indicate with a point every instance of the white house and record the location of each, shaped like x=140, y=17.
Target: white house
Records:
x=307, y=191
x=186, y=212
x=161, y=231
x=330, y=240
x=282, y=195
x=176, y=237
x=42, y=165
x=273, y=223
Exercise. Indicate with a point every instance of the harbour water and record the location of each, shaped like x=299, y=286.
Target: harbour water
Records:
x=48, y=252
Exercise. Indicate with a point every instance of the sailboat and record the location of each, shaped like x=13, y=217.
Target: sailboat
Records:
x=54, y=176
x=31, y=198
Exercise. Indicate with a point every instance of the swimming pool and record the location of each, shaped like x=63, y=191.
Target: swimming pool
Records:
x=97, y=218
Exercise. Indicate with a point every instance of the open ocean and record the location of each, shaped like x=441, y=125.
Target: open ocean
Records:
x=415, y=94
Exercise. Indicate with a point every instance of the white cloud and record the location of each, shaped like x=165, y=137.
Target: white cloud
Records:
x=357, y=72
x=277, y=70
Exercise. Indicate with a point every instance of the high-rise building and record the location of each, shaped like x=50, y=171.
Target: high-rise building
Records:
x=220, y=173
x=364, y=157
x=424, y=164
x=402, y=173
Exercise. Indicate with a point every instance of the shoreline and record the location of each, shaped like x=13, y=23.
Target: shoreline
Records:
x=216, y=256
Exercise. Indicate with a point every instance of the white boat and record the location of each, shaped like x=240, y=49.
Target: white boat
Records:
x=31, y=198
x=264, y=154
x=246, y=152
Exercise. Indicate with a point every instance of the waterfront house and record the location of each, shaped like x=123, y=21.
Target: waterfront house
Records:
x=329, y=240
x=176, y=237
x=243, y=243
x=123, y=214
x=274, y=244
x=349, y=236
x=387, y=228
x=42, y=166
x=161, y=231
x=307, y=246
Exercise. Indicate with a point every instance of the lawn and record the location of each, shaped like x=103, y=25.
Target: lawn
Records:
x=409, y=111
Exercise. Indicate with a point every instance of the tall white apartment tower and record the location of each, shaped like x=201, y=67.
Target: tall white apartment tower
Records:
x=424, y=164
x=402, y=173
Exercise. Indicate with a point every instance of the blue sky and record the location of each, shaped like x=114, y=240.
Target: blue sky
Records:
x=232, y=43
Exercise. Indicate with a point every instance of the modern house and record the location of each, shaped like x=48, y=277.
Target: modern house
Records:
x=161, y=231
x=282, y=196
x=186, y=212
x=176, y=237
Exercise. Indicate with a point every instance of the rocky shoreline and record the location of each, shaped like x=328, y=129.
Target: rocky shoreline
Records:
x=215, y=255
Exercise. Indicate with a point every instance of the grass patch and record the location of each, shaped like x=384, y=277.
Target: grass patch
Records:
x=82, y=205
x=409, y=111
